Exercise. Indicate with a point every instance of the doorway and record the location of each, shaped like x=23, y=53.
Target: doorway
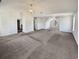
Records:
x=19, y=26
x=54, y=25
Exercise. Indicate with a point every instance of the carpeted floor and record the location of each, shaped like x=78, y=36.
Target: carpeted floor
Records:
x=43, y=44
x=59, y=45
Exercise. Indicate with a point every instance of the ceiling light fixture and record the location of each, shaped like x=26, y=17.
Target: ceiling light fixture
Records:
x=31, y=11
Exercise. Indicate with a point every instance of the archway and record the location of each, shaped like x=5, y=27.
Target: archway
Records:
x=52, y=23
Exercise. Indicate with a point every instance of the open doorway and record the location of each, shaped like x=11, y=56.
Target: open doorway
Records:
x=19, y=26
x=54, y=24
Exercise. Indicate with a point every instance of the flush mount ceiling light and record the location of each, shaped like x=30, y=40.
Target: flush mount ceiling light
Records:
x=30, y=10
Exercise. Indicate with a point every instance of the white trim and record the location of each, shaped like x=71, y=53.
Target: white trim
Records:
x=73, y=23
x=56, y=14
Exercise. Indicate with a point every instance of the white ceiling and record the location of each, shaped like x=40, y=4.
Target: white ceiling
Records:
x=42, y=6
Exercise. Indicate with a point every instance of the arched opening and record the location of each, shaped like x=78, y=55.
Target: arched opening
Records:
x=52, y=24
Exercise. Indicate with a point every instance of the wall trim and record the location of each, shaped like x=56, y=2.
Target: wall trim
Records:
x=55, y=14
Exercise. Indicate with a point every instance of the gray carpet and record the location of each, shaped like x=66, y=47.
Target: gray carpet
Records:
x=43, y=44
x=57, y=45
x=17, y=47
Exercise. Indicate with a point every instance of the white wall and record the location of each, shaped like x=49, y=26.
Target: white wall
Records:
x=40, y=22
x=75, y=29
x=65, y=24
x=8, y=21
x=27, y=22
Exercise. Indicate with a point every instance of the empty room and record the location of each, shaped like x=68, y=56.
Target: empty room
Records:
x=38, y=29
